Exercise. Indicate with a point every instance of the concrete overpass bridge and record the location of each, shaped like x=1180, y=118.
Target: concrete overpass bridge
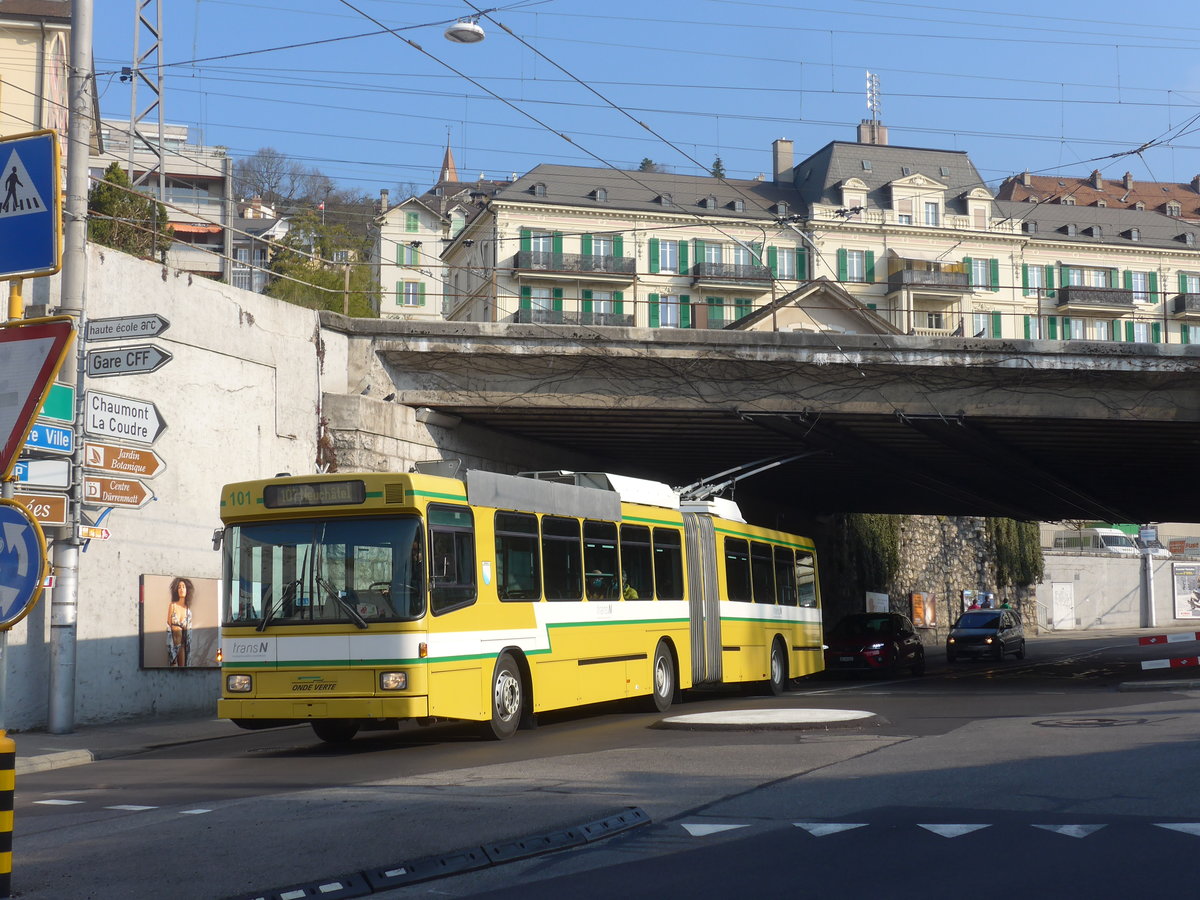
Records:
x=954, y=426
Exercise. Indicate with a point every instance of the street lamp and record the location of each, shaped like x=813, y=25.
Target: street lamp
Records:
x=465, y=31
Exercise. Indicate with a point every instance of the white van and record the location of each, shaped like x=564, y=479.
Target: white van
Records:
x=1103, y=540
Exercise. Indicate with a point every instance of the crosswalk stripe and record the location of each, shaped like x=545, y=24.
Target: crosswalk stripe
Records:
x=128, y=807
x=58, y=802
x=1185, y=827
x=706, y=830
x=1075, y=831
x=953, y=831
x=820, y=829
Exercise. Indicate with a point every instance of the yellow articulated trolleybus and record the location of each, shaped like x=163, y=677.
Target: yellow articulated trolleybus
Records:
x=359, y=600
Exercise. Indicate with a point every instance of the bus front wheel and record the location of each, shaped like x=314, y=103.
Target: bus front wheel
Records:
x=335, y=731
x=508, y=698
x=777, y=683
x=663, y=692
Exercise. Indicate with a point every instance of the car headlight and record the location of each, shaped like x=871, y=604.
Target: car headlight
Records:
x=876, y=646
x=988, y=640
x=393, y=681
x=949, y=640
x=238, y=684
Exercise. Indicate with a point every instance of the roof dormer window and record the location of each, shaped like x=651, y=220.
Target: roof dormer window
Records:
x=538, y=190
x=1139, y=206
x=1067, y=201
x=1102, y=202
x=866, y=164
x=1070, y=230
x=906, y=170
x=1174, y=209
x=781, y=208
x=738, y=205
x=1189, y=239
x=665, y=200
x=1135, y=234
x=709, y=202
x=600, y=195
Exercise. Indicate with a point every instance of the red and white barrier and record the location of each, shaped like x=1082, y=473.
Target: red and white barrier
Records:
x=1179, y=662
x=1169, y=638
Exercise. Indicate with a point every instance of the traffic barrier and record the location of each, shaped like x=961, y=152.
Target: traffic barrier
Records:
x=8, y=783
x=1169, y=638
x=1179, y=662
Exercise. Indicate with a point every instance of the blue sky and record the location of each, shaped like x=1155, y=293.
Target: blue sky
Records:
x=1049, y=87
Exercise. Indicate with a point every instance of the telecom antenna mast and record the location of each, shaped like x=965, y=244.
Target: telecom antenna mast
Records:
x=150, y=60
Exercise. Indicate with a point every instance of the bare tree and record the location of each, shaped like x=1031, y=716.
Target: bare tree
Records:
x=278, y=179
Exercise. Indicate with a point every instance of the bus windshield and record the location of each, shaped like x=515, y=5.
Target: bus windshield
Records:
x=318, y=571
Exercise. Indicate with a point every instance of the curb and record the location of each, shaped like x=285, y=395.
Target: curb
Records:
x=46, y=761
x=1133, y=686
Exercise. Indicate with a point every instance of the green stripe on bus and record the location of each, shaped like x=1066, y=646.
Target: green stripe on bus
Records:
x=437, y=495
x=651, y=521
x=755, y=537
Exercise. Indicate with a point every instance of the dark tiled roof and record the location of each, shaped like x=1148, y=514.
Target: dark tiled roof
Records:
x=1155, y=229
x=37, y=9
x=1114, y=192
x=818, y=179
x=642, y=192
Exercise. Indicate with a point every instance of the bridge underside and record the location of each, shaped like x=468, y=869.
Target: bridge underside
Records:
x=884, y=424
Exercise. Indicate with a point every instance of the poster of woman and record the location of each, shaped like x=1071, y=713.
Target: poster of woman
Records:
x=179, y=622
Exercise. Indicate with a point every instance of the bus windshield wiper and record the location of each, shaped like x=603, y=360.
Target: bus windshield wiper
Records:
x=288, y=592
x=354, y=614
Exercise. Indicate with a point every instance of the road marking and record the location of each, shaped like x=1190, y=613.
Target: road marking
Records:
x=193, y=812
x=1075, y=831
x=58, y=802
x=820, y=829
x=706, y=830
x=128, y=807
x=952, y=831
x=1185, y=827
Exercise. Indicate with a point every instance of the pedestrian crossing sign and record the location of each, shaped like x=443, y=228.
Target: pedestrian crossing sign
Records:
x=30, y=205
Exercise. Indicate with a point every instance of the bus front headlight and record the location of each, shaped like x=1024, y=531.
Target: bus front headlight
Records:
x=238, y=684
x=393, y=681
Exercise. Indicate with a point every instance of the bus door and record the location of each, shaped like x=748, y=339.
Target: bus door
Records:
x=703, y=598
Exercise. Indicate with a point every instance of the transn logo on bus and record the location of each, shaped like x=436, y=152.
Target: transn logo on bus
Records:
x=248, y=648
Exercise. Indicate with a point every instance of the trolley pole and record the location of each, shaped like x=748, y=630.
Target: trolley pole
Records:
x=64, y=603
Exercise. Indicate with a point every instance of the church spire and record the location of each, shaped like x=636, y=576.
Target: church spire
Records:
x=449, y=171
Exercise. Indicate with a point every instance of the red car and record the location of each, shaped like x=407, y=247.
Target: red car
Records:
x=875, y=642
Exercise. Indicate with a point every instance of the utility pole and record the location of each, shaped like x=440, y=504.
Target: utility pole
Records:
x=64, y=602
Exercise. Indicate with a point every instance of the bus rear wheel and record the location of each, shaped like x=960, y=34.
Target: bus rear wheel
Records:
x=508, y=698
x=663, y=673
x=335, y=731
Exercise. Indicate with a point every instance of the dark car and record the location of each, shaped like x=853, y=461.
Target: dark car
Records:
x=986, y=632
x=874, y=642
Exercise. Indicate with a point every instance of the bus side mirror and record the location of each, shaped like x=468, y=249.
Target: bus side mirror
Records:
x=218, y=538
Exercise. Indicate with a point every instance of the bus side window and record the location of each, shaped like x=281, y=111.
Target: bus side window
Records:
x=600, y=563
x=785, y=576
x=668, y=563
x=806, y=578
x=762, y=572
x=637, y=563
x=562, y=560
x=518, y=563
x=737, y=569
x=451, y=558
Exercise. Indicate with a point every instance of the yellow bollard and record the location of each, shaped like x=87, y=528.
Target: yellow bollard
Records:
x=8, y=783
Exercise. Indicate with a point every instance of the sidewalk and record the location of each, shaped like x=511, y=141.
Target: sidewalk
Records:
x=38, y=751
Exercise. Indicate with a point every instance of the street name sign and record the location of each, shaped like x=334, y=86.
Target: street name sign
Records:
x=123, y=327
x=50, y=438
x=59, y=405
x=133, y=360
x=45, y=473
x=31, y=353
x=109, y=416
x=22, y=562
x=126, y=492
x=48, y=509
x=93, y=533
x=30, y=205
x=136, y=462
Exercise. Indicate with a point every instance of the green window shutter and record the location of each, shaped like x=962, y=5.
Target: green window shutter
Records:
x=556, y=242
x=1112, y=278
x=698, y=250
x=421, y=295
x=773, y=261
x=1182, y=284
x=683, y=257
x=841, y=263
x=1050, y=282
x=996, y=324
x=1025, y=282
x=526, y=243
x=653, y=256
x=1127, y=277
x=873, y=306
x=970, y=271
x=743, y=306
x=412, y=221
x=1115, y=329
x=756, y=253
x=994, y=274
x=585, y=244
x=1052, y=327
x=1028, y=329
x=586, y=305
x=526, y=297
x=685, y=311
x=1153, y=287
x=1184, y=337
x=618, y=303
x=399, y=254
x=618, y=245
x=399, y=293
x=716, y=312
x=556, y=299
x=870, y=267
x=802, y=263
x=1129, y=331
x=1156, y=332
x=1066, y=333
x=654, y=310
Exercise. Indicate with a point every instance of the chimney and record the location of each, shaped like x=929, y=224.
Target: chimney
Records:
x=871, y=131
x=1026, y=179
x=1097, y=181
x=383, y=200
x=781, y=150
x=1196, y=183
x=1128, y=181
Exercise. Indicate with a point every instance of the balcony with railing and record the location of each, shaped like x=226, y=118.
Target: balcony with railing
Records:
x=598, y=268
x=936, y=281
x=1187, y=306
x=1078, y=297
x=725, y=274
x=558, y=317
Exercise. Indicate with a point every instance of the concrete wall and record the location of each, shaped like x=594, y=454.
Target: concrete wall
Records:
x=1106, y=591
x=240, y=399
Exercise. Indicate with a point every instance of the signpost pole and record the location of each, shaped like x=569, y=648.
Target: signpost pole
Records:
x=65, y=601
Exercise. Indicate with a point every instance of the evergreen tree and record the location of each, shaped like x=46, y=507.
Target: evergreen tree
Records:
x=320, y=283
x=718, y=168
x=648, y=165
x=125, y=219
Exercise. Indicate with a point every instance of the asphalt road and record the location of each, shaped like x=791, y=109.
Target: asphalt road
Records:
x=1010, y=747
